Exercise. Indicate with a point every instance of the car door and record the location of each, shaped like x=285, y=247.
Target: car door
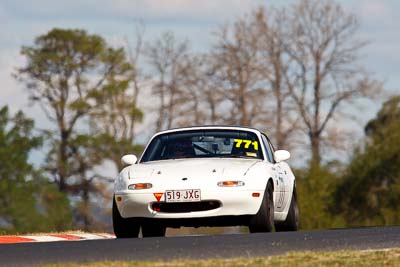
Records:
x=288, y=178
x=280, y=203
x=284, y=173
x=279, y=181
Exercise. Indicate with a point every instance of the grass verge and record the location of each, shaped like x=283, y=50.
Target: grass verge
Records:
x=346, y=258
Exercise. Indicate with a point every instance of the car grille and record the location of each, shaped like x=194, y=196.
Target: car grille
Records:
x=180, y=207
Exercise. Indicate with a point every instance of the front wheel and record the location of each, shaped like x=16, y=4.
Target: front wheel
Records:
x=124, y=227
x=263, y=221
x=292, y=220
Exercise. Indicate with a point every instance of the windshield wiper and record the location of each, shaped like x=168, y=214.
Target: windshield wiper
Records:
x=237, y=156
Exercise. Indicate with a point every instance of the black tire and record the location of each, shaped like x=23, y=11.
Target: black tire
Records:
x=153, y=229
x=124, y=227
x=263, y=221
x=292, y=220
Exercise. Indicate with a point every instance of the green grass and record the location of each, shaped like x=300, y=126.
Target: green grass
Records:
x=300, y=259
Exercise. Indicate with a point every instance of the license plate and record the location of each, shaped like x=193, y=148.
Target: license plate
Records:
x=186, y=195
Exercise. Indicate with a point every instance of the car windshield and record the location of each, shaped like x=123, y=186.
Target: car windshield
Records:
x=202, y=144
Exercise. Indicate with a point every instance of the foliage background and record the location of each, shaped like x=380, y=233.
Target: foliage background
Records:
x=165, y=81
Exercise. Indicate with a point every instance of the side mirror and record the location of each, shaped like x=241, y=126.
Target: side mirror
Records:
x=281, y=155
x=129, y=159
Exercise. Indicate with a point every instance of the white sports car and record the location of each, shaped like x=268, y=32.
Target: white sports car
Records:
x=205, y=176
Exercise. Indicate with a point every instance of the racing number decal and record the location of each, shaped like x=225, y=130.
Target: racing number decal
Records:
x=246, y=143
x=282, y=193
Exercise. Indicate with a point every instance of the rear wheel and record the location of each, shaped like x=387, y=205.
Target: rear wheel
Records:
x=153, y=229
x=292, y=220
x=263, y=221
x=124, y=227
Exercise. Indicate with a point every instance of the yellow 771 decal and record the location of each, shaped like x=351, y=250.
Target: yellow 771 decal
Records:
x=245, y=143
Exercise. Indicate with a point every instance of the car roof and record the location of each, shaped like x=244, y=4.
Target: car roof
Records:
x=209, y=127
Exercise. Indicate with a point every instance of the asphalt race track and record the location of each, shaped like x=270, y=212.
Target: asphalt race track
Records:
x=198, y=247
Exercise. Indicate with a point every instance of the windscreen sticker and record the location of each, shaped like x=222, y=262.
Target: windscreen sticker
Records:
x=246, y=143
x=251, y=154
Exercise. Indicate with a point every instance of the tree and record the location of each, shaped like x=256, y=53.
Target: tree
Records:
x=198, y=100
x=112, y=126
x=64, y=69
x=67, y=73
x=213, y=94
x=324, y=72
x=272, y=36
x=115, y=113
x=236, y=70
x=388, y=117
x=28, y=202
x=315, y=187
x=137, y=78
x=168, y=59
x=370, y=190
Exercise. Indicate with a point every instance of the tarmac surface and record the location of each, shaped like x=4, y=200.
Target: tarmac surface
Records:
x=198, y=247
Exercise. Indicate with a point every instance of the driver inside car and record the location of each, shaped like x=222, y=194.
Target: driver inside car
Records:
x=180, y=149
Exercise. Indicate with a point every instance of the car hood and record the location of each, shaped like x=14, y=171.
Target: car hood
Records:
x=230, y=168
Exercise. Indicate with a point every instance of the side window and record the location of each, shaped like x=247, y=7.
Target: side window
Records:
x=272, y=151
x=267, y=148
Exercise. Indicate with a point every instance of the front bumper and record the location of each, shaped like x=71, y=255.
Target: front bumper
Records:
x=233, y=202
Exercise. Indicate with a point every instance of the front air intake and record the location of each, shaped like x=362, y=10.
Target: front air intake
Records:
x=181, y=207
